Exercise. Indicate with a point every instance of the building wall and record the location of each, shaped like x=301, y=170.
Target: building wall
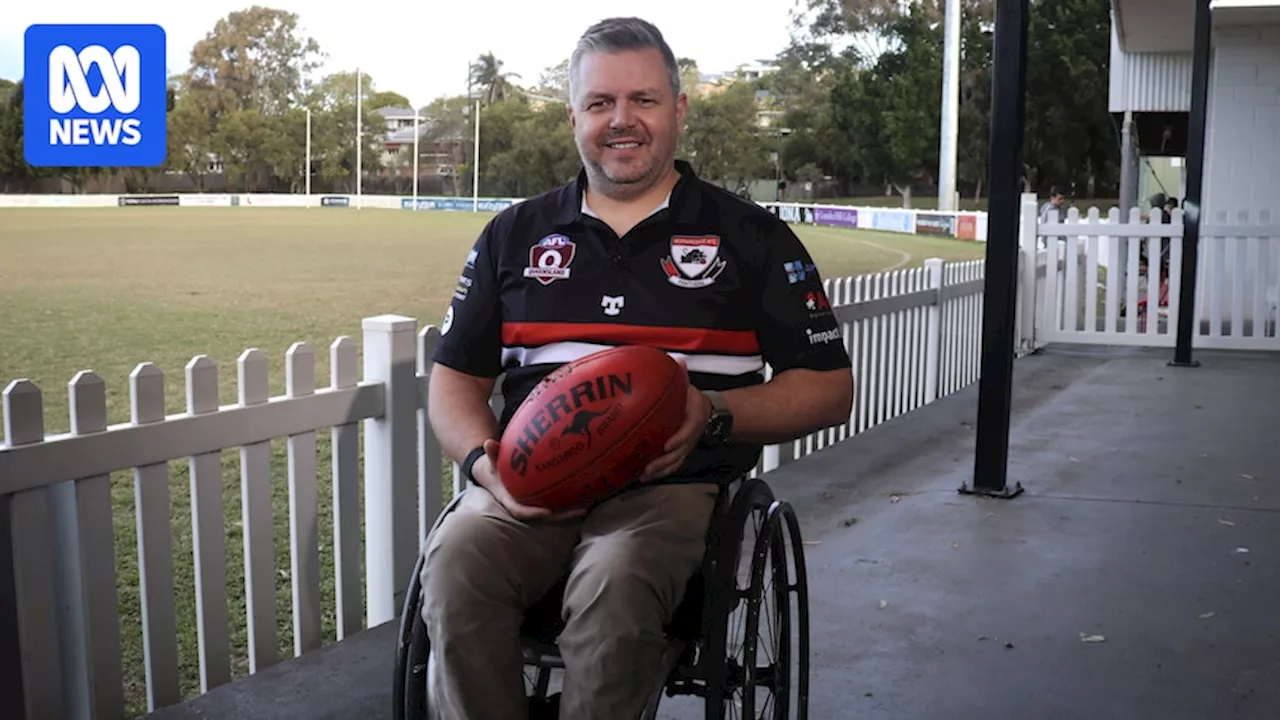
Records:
x=1242, y=151
x=1148, y=81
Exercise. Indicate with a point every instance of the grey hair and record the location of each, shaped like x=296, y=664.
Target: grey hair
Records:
x=615, y=35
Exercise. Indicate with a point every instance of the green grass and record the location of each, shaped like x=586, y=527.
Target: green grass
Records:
x=107, y=289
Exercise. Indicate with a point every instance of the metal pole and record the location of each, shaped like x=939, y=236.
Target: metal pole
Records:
x=1128, y=167
x=359, y=138
x=999, y=301
x=415, y=159
x=308, y=152
x=1191, y=205
x=950, y=108
x=475, y=165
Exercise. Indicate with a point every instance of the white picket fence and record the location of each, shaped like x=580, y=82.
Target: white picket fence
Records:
x=913, y=335
x=1103, y=293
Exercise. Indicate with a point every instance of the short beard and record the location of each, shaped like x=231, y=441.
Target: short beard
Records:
x=599, y=181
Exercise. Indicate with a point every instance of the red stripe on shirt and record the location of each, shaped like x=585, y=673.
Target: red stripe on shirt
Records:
x=732, y=342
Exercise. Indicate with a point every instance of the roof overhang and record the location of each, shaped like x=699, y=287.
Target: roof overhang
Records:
x=1168, y=25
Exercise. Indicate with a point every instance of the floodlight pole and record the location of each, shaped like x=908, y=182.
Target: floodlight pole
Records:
x=308, y=153
x=475, y=165
x=359, y=138
x=415, y=159
x=950, y=108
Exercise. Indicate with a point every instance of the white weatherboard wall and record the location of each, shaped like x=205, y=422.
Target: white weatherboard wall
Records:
x=1242, y=167
x=1242, y=151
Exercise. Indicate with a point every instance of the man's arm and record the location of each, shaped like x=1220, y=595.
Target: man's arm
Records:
x=467, y=358
x=792, y=404
x=458, y=406
x=812, y=384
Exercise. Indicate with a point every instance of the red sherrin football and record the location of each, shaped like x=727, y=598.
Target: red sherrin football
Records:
x=591, y=426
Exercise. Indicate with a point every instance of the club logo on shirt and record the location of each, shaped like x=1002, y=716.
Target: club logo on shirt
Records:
x=549, y=259
x=694, y=262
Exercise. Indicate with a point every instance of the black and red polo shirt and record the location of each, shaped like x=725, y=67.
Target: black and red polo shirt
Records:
x=711, y=278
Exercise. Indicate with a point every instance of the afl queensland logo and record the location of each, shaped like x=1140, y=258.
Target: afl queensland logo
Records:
x=549, y=259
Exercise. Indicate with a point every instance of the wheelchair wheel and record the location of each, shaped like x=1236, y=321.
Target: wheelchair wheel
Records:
x=757, y=643
x=413, y=646
x=413, y=650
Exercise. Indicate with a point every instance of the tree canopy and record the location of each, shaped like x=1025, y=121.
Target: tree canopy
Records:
x=851, y=107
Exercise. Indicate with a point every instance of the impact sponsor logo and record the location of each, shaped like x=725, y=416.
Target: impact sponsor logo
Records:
x=824, y=337
x=589, y=421
x=96, y=96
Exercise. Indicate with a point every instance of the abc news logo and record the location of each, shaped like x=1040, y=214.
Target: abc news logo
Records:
x=69, y=91
x=96, y=96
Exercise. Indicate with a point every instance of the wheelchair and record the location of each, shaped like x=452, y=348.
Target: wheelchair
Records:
x=740, y=577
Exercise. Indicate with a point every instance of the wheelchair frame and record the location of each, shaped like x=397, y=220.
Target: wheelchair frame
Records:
x=696, y=658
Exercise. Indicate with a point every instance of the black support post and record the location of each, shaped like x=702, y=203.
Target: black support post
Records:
x=999, y=301
x=1195, y=183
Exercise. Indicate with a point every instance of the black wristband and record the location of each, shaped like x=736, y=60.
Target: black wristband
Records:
x=470, y=461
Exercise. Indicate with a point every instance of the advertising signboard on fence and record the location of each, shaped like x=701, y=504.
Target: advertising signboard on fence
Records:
x=837, y=217
x=335, y=201
x=967, y=227
x=465, y=204
x=147, y=200
x=202, y=200
x=933, y=224
x=891, y=220
x=792, y=213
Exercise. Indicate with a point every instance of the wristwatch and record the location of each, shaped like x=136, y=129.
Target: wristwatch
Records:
x=720, y=424
x=470, y=462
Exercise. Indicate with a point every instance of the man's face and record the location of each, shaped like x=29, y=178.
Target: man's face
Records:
x=626, y=122
x=1057, y=200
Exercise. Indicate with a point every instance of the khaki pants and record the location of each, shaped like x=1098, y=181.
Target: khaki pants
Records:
x=627, y=561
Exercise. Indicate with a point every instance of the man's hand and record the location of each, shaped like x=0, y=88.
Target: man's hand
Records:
x=485, y=472
x=697, y=410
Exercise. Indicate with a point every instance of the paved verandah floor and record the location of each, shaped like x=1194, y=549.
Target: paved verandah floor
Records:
x=1151, y=520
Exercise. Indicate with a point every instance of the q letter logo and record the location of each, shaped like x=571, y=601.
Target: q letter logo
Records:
x=94, y=96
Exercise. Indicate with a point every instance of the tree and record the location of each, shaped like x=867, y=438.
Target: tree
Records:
x=865, y=24
x=487, y=77
x=891, y=112
x=723, y=140
x=1071, y=141
x=554, y=80
x=690, y=76
x=253, y=59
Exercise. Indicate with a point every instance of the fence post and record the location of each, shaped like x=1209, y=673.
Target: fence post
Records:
x=390, y=464
x=933, y=343
x=431, y=455
x=1028, y=239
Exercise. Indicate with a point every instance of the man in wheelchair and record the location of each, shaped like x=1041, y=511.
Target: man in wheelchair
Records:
x=524, y=306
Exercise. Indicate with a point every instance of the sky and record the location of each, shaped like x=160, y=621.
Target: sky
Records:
x=422, y=49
